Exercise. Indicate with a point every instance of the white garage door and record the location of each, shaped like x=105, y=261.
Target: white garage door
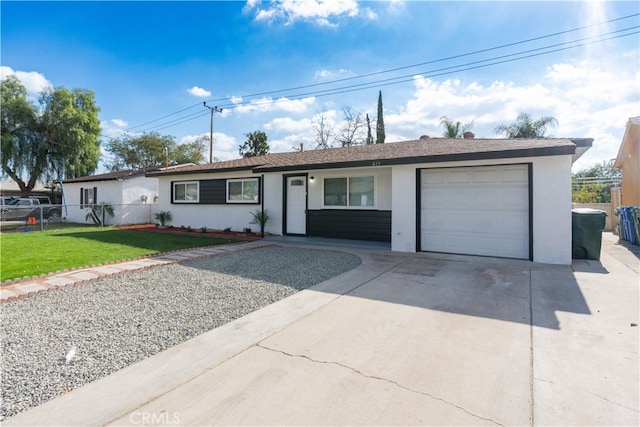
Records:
x=476, y=211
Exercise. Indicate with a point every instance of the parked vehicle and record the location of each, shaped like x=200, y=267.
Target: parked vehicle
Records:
x=37, y=206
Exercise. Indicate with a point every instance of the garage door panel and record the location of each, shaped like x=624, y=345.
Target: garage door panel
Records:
x=476, y=211
x=516, y=175
x=486, y=176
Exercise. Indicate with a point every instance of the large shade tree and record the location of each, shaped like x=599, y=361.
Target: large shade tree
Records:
x=152, y=149
x=526, y=127
x=56, y=139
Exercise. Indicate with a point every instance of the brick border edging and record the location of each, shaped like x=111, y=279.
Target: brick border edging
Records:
x=20, y=280
x=45, y=287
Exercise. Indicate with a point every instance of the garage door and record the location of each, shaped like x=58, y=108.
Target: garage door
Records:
x=476, y=211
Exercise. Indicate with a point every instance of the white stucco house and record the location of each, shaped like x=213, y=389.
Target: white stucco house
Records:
x=132, y=195
x=492, y=197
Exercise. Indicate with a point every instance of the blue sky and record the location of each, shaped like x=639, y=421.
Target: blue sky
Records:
x=152, y=64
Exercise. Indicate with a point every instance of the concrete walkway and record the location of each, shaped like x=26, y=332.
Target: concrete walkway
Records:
x=404, y=339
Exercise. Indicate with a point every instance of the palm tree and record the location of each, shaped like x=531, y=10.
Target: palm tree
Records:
x=454, y=129
x=525, y=127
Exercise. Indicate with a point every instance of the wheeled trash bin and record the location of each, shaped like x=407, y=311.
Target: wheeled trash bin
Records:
x=586, y=232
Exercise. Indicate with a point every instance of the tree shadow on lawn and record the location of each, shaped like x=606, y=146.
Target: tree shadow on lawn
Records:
x=158, y=242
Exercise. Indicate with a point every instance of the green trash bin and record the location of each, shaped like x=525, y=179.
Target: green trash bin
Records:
x=586, y=232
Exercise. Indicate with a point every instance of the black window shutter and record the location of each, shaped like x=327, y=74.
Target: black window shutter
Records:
x=81, y=197
x=95, y=195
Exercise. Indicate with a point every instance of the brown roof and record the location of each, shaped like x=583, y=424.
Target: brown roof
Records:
x=408, y=152
x=113, y=176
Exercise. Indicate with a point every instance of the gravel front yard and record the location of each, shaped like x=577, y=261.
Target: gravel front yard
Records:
x=57, y=341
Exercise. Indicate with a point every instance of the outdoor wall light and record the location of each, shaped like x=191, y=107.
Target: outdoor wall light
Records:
x=311, y=178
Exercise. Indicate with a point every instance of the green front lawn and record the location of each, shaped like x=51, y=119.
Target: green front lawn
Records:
x=30, y=254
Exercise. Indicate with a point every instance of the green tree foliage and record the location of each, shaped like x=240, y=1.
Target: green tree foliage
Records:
x=369, y=136
x=136, y=152
x=454, y=129
x=593, y=184
x=380, y=135
x=190, y=152
x=255, y=145
x=58, y=139
x=525, y=127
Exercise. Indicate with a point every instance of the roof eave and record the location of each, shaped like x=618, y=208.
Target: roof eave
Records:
x=582, y=146
x=199, y=171
x=507, y=154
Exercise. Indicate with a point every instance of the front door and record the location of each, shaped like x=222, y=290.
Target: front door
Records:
x=296, y=205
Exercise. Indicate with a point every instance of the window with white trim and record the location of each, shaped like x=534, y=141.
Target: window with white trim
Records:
x=243, y=190
x=186, y=192
x=352, y=191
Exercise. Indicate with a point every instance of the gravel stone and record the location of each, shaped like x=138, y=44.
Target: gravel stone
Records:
x=59, y=340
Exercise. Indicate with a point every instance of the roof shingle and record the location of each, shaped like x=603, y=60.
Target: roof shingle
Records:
x=408, y=152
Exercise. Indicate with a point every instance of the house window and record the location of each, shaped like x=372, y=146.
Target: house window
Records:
x=242, y=190
x=88, y=197
x=186, y=192
x=356, y=191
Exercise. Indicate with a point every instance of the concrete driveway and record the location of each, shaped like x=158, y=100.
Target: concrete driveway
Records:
x=404, y=339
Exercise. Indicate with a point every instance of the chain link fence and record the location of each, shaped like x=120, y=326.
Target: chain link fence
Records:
x=49, y=217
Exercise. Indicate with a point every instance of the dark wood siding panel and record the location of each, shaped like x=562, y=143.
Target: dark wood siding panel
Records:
x=351, y=224
x=213, y=191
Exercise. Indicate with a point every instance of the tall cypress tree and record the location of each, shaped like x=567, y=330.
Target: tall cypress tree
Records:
x=380, y=122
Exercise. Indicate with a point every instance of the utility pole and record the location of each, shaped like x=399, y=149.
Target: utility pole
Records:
x=213, y=110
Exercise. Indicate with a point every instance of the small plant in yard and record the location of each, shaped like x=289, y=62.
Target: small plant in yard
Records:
x=260, y=217
x=163, y=217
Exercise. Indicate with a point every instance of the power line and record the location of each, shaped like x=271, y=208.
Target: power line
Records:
x=399, y=79
x=435, y=73
x=432, y=61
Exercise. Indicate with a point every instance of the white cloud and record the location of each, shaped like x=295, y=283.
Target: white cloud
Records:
x=266, y=104
x=287, y=124
x=325, y=73
x=370, y=14
x=119, y=123
x=199, y=92
x=586, y=99
x=225, y=147
x=319, y=11
x=33, y=81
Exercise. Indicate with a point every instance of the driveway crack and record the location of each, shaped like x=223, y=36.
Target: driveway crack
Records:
x=374, y=377
x=615, y=403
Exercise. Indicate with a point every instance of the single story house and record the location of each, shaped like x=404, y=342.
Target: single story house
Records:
x=492, y=197
x=132, y=195
x=628, y=160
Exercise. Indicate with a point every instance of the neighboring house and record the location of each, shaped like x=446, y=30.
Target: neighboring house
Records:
x=10, y=189
x=132, y=196
x=628, y=160
x=494, y=197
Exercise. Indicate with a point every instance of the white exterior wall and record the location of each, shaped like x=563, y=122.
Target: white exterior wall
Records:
x=124, y=196
x=272, y=202
x=552, y=210
x=237, y=216
x=403, y=217
x=551, y=205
